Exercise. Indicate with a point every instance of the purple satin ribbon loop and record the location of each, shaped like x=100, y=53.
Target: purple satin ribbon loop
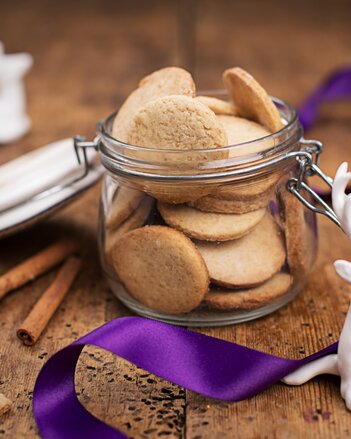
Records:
x=203, y=364
x=336, y=87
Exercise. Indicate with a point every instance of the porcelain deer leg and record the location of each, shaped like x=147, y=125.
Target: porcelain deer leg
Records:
x=343, y=269
x=339, y=364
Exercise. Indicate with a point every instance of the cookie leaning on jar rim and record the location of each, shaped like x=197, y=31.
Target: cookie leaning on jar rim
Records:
x=184, y=243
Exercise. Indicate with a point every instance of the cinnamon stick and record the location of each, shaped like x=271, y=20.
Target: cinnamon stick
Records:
x=5, y=404
x=45, y=307
x=36, y=265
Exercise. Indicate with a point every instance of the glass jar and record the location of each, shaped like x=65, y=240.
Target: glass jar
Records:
x=231, y=210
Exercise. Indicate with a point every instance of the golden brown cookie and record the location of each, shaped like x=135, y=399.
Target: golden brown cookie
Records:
x=5, y=404
x=161, y=268
x=182, y=124
x=178, y=123
x=218, y=106
x=209, y=226
x=123, y=204
x=247, y=261
x=136, y=219
x=251, y=100
x=213, y=204
x=163, y=82
x=240, y=130
x=300, y=242
x=251, y=298
x=263, y=186
x=175, y=193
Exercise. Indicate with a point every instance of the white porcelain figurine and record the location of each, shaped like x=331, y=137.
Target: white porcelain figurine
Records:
x=14, y=122
x=340, y=363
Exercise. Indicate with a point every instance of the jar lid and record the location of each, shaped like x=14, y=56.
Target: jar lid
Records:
x=42, y=181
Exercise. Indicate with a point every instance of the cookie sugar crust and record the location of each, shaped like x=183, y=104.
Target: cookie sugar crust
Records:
x=176, y=122
x=163, y=82
x=209, y=226
x=251, y=99
x=161, y=268
x=247, y=261
x=251, y=298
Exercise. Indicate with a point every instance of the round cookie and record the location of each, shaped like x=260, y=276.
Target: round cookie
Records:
x=213, y=204
x=161, y=268
x=247, y=261
x=261, y=187
x=124, y=202
x=300, y=242
x=250, y=298
x=217, y=105
x=177, y=123
x=209, y=226
x=176, y=194
x=163, y=82
x=251, y=100
x=240, y=130
x=135, y=219
x=185, y=126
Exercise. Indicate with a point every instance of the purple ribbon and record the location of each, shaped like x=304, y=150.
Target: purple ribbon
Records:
x=336, y=87
x=203, y=364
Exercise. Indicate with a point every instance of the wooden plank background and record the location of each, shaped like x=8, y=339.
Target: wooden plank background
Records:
x=88, y=56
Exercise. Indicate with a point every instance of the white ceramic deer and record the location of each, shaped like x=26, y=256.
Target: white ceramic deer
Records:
x=14, y=121
x=340, y=363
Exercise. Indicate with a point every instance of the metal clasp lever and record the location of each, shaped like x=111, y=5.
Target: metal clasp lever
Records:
x=308, y=166
x=80, y=142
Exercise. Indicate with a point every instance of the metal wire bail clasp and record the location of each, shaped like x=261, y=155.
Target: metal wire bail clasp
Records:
x=81, y=143
x=308, y=166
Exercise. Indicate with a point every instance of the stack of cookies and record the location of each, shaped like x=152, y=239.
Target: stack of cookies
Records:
x=220, y=246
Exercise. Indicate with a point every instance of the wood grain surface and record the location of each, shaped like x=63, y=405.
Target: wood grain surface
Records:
x=87, y=57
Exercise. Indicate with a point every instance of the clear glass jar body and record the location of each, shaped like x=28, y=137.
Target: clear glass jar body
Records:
x=256, y=239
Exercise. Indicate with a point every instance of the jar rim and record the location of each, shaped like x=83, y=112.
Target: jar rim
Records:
x=102, y=128
x=119, y=157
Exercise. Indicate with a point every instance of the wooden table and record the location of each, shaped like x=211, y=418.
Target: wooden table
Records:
x=88, y=56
